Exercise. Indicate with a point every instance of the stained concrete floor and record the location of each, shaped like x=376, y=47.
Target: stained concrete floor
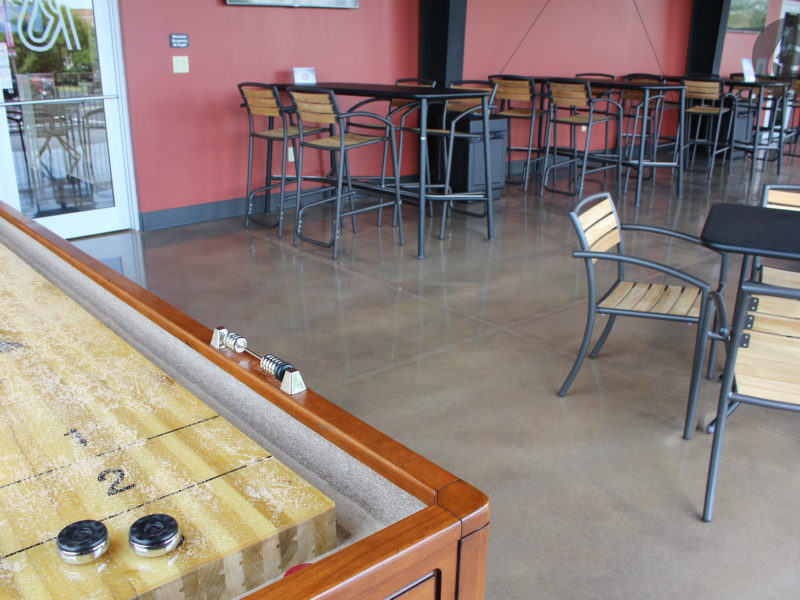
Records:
x=459, y=356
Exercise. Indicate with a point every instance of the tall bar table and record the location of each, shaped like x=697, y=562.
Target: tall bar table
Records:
x=425, y=96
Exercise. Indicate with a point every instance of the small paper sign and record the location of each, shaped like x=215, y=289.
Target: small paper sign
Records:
x=747, y=70
x=305, y=76
x=178, y=40
x=6, y=82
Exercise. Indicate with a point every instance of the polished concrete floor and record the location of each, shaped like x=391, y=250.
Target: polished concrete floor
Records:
x=459, y=356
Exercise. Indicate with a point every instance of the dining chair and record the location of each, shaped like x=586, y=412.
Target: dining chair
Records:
x=345, y=132
x=454, y=128
x=601, y=91
x=664, y=293
x=642, y=125
x=761, y=366
x=517, y=97
x=759, y=121
x=783, y=197
x=707, y=103
x=571, y=104
x=398, y=110
x=269, y=120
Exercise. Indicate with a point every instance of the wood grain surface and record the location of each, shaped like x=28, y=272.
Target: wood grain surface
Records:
x=90, y=429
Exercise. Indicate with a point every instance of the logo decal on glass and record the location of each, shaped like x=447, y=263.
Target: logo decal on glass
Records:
x=41, y=22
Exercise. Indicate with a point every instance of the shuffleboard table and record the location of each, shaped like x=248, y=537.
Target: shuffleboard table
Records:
x=259, y=479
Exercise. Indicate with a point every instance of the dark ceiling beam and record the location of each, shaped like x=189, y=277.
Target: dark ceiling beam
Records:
x=707, y=36
x=442, y=27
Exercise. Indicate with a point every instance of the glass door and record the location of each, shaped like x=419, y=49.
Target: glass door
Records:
x=64, y=146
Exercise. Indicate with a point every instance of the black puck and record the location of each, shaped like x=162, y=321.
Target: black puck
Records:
x=154, y=535
x=82, y=541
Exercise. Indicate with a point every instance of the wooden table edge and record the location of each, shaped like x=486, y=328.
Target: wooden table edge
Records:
x=405, y=468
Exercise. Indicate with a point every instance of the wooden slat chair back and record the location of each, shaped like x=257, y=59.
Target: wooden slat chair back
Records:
x=767, y=363
x=513, y=90
x=600, y=226
x=639, y=122
x=262, y=101
x=316, y=107
x=698, y=89
x=457, y=112
x=762, y=363
x=638, y=95
x=705, y=99
x=606, y=76
x=570, y=94
x=319, y=107
x=782, y=197
x=681, y=297
x=572, y=103
x=517, y=100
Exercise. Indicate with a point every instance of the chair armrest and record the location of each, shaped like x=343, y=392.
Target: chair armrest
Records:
x=607, y=100
x=347, y=117
x=663, y=231
x=647, y=264
x=469, y=111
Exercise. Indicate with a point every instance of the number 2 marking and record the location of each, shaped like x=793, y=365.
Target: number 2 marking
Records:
x=119, y=475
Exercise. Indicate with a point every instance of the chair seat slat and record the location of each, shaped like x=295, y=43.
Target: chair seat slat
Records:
x=778, y=306
x=582, y=119
x=776, y=325
x=767, y=368
x=666, y=303
x=350, y=139
x=688, y=304
x=615, y=295
x=780, y=277
x=516, y=112
x=651, y=297
x=760, y=388
x=277, y=133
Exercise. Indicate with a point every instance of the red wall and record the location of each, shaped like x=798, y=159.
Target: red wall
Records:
x=570, y=37
x=189, y=133
x=559, y=39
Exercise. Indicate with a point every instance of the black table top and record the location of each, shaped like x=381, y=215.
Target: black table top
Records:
x=389, y=91
x=619, y=84
x=753, y=230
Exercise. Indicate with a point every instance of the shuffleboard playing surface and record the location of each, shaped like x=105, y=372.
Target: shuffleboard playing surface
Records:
x=90, y=429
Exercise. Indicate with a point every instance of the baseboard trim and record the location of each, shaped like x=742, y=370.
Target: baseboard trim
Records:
x=223, y=209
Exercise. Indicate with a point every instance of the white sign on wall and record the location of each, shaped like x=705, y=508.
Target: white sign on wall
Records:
x=5, y=69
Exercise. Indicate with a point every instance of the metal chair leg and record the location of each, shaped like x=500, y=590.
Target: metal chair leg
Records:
x=249, y=200
x=701, y=343
x=587, y=334
x=603, y=336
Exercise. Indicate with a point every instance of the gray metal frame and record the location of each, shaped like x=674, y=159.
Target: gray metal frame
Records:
x=709, y=302
x=342, y=171
x=728, y=397
x=612, y=112
x=286, y=114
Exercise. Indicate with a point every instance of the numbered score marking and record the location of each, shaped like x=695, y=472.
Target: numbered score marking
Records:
x=89, y=429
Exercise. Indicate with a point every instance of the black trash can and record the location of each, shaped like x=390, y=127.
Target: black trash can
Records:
x=468, y=172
